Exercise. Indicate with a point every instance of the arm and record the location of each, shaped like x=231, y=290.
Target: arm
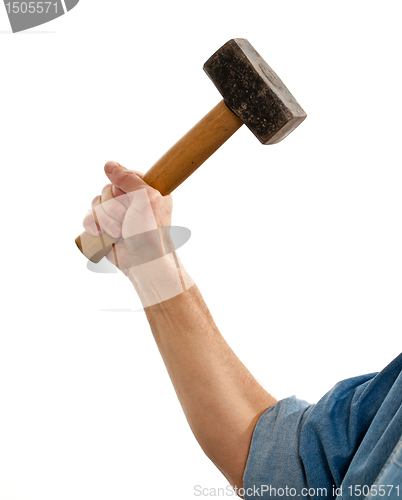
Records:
x=221, y=399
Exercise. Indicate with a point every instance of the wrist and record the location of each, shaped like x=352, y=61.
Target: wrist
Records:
x=160, y=280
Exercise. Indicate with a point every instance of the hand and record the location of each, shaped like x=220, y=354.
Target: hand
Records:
x=130, y=209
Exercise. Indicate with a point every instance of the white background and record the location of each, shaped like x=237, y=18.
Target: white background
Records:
x=296, y=247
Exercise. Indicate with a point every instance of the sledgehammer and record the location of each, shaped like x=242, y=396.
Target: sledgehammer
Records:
x=252, y=94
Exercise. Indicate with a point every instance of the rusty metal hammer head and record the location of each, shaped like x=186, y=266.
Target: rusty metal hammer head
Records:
x=253, y=91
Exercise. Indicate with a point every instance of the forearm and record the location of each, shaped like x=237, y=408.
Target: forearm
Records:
x=221, y=399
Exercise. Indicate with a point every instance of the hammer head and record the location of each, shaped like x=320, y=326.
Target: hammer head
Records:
x=253, y=91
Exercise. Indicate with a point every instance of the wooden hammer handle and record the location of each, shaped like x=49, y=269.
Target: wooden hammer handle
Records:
x=175, y=166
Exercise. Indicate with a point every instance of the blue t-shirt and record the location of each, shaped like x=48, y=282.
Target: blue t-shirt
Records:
x=343, y=446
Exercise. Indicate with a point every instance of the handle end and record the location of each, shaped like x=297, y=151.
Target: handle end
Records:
x=94, y=247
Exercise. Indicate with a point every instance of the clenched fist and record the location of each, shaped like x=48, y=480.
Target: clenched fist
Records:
x=128, y=208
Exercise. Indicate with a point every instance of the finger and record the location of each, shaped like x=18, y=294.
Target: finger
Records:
x=90, y=225
x=111, y=205
x=140, y=174
x=140, y=217
x=120, y=196
x=118, y=193
x=125, y=180
x=107, y=223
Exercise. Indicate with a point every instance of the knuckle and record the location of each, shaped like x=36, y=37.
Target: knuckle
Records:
x=96, y=200
x=115, y=210
x=126, y=175
x=109, y=225
x=123, y=199
x=113, y=230
x=106, y=188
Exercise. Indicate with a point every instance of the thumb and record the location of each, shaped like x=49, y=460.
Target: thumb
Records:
x=125, y=180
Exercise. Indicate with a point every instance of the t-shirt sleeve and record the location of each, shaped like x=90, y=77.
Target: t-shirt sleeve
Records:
x=274, y=460
x=342, y=440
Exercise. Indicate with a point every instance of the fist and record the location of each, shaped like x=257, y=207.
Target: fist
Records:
x=128, y=208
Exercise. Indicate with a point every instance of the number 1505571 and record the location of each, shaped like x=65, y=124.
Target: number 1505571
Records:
x=31, y=7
